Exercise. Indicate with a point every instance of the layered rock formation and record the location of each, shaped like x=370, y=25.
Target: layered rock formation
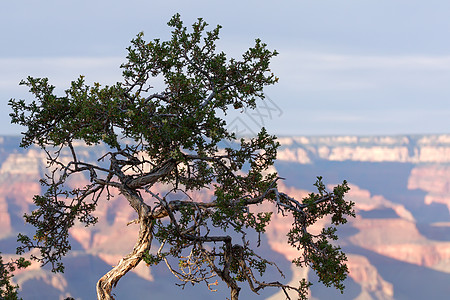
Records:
x=435, y=180
x=405, y=149
x=398, y=245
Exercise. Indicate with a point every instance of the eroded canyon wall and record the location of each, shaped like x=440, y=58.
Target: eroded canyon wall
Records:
x=398, y=245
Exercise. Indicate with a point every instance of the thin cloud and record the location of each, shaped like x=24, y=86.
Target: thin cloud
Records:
x=329, y=61
x=304, y=70
x=60, y=70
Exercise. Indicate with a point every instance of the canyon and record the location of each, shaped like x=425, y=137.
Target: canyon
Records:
x=398, y=246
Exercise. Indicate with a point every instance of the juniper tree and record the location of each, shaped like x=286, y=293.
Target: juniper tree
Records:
x=173, y=137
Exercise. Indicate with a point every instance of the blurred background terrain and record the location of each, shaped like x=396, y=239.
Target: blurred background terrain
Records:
x=398, y=246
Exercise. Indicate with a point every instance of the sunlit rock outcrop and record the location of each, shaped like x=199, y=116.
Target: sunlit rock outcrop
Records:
x=373, y=286
x=435, y=180
x=402, y=201
x=412, y=149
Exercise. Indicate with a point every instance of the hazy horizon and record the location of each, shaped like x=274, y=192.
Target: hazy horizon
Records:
x=345, y=68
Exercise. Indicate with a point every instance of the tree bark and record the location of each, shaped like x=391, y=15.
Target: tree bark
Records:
x=225, y=274
x=234, y=293
x=110, y=279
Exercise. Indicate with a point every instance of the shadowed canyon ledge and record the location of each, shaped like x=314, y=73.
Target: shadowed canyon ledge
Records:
x=400, y=184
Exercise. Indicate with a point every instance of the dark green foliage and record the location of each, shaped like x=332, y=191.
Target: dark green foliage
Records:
x=7, y=290
x=318, y=252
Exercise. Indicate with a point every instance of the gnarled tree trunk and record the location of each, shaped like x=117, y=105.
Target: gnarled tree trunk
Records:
x=110, y=279
x=235, y=293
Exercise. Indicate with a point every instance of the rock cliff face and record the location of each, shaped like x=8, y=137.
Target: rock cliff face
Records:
x=435, y=180
x=398, y=245
x=413, y=149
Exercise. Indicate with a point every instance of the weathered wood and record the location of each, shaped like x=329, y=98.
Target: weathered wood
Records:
x=110, y=279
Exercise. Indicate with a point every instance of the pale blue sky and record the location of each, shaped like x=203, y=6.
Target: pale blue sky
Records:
x=345, y=67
